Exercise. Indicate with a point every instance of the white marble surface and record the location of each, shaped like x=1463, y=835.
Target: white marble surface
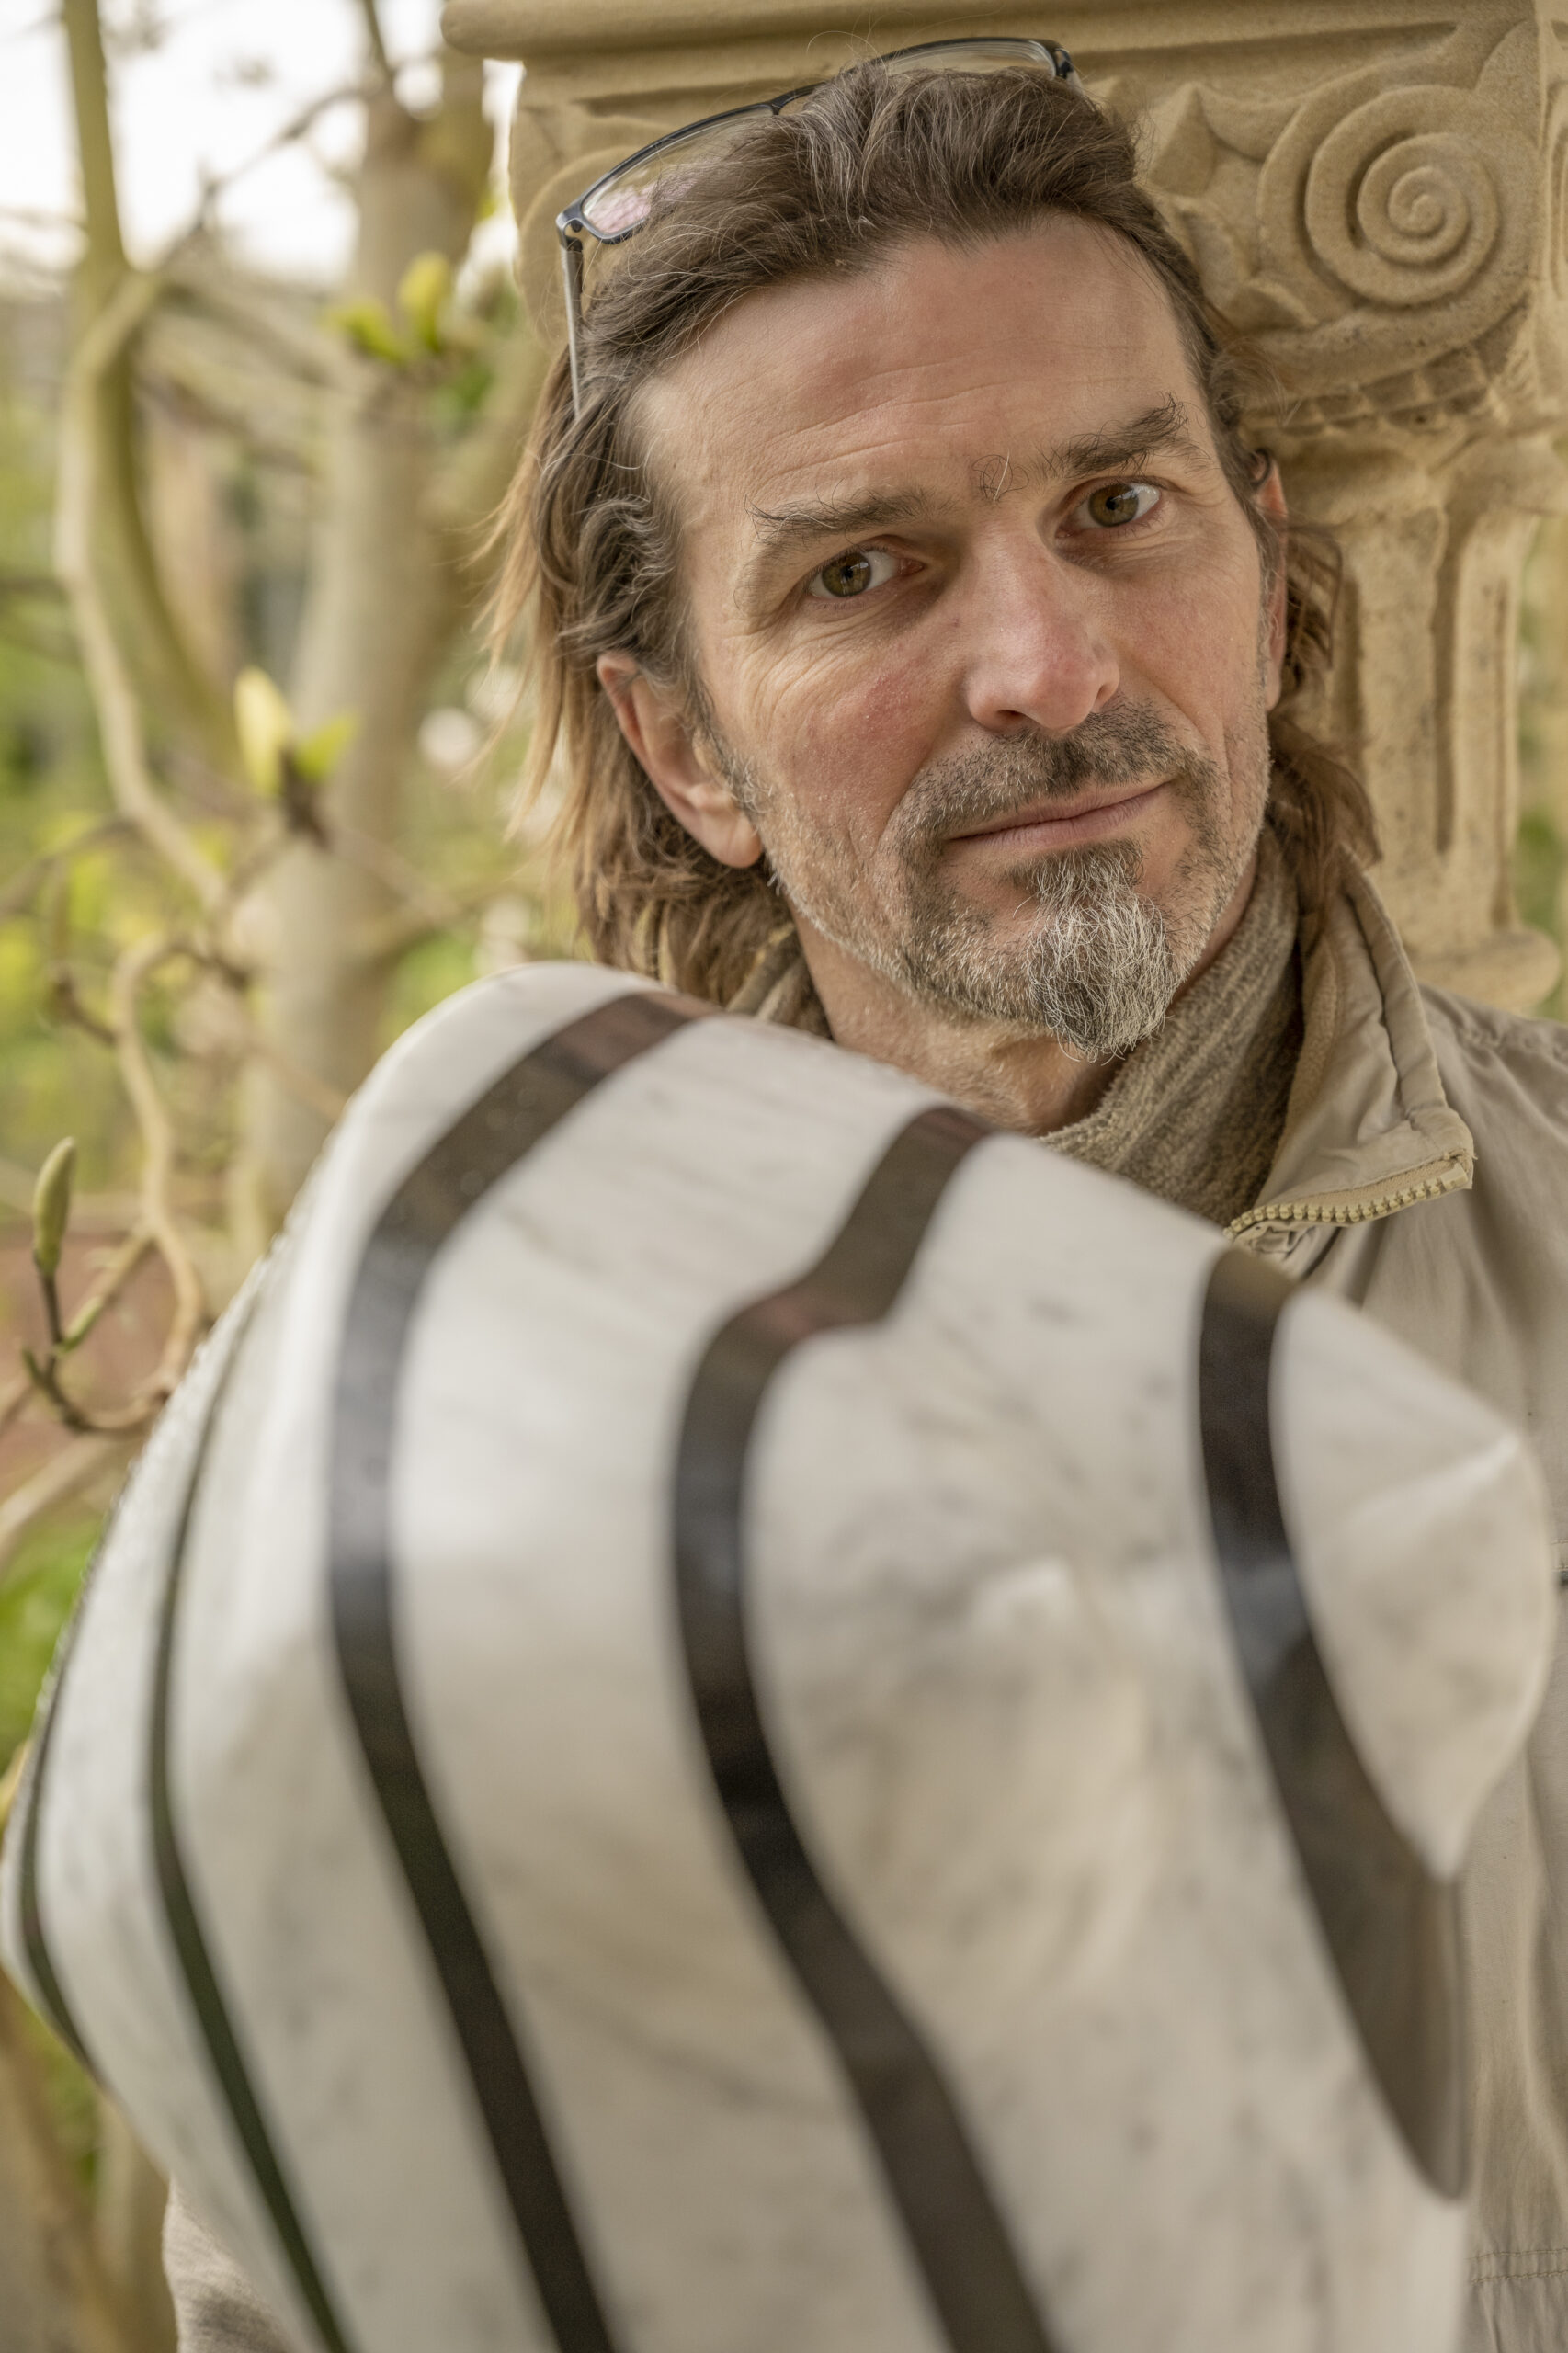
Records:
x=1438, y=1653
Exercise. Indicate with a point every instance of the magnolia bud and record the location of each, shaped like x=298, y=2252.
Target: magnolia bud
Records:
x=52, y=1205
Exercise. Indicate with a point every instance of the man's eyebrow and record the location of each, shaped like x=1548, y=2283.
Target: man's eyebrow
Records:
x=1160, y=431
x=780, y=529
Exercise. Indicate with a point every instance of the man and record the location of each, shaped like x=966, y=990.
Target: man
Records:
x=915, y=637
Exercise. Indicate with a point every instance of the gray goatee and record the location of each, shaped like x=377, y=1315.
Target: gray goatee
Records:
x=1098, y=964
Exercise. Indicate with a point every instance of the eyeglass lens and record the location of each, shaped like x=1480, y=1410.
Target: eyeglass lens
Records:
x=623, y=200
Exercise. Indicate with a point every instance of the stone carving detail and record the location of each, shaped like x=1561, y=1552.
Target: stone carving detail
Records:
x=1402, y=202
x=1363, y=231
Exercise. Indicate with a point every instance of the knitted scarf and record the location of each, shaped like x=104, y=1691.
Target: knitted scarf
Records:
x=1196, y=1112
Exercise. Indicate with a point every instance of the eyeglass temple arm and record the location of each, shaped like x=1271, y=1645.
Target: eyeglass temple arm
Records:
x=571, y=239
x=571, y=279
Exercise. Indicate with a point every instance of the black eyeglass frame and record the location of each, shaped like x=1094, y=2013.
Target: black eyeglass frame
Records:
x=572, y=224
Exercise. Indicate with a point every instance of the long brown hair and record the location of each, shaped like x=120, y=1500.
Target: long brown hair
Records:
x=591, y=547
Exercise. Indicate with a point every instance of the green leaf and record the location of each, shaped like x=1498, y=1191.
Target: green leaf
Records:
x=423, y=291
x=367, y=324
x=52, y=1205
x=34, y=1605
x=265, y=725
x=317, y=753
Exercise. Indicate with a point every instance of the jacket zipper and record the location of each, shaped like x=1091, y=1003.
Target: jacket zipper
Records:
x=1349, y=1213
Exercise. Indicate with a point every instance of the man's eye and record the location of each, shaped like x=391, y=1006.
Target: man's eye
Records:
x=851, y=573
x=1121, y=502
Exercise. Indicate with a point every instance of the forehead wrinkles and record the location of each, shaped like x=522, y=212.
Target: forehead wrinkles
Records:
x=711, y=460
x=867, y=340
x=968, y=429
x=828, y=400
x=711, y=455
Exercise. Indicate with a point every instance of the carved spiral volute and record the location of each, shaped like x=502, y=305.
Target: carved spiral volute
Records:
x=1404, y=202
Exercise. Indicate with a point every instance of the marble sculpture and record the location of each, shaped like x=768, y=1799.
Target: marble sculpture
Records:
x=732, y=1715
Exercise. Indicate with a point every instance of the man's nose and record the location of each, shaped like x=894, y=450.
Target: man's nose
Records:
x=1035, y=652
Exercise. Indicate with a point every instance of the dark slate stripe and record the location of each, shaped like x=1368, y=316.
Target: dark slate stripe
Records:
x=1391, y=1928
x=520, y=1108
x=955, y=2233
x=35, y=1940
x=191, y=1946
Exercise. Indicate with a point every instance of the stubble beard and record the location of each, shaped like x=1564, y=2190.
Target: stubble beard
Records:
x=1098, y=963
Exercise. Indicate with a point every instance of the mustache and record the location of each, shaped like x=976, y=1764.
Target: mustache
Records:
x=1000, y=779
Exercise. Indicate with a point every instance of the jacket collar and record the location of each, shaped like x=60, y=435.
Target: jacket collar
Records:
x=1369, y=1129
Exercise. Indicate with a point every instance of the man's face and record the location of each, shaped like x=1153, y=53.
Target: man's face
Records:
x=980, y=628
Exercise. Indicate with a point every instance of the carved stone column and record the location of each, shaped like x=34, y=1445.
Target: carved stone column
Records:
x=1378, y=194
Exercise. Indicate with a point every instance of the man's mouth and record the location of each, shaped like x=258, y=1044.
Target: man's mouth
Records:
x=1052, y=824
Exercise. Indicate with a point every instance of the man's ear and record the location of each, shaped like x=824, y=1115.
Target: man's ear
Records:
x=654, y=723
x=1271, y=498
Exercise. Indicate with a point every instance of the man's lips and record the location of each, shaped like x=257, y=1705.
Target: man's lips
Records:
x=1050, y=826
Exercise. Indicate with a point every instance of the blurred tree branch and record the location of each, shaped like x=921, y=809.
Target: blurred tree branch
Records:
x=81, y=495
x=157, y=655
x=375, y=40
x=389, y=588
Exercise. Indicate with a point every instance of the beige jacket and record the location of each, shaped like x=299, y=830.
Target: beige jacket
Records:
x=1423, y=1172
